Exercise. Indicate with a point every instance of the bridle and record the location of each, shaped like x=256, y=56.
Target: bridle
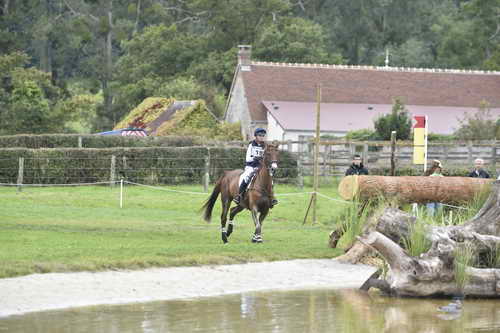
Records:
x=269, y=165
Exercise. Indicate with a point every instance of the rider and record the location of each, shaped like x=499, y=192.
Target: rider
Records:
x=255, y=154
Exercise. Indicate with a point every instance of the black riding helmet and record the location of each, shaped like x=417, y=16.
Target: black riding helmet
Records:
x=259, y=131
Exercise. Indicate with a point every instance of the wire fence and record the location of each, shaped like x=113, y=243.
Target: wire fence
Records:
x=151, y=171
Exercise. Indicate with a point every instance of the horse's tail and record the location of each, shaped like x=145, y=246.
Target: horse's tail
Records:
x=209, y=204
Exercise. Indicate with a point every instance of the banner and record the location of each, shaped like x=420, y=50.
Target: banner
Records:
x=420, y=140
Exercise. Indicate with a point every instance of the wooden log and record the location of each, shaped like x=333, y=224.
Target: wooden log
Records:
x=417, y=189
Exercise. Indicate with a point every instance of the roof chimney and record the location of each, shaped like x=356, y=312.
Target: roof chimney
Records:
x=244, y=55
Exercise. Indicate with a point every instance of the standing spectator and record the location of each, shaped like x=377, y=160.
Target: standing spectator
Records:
x=435, y=171
x=357, y=167
x=478, y=171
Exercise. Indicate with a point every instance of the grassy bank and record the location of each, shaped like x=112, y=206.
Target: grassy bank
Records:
x=59, y=229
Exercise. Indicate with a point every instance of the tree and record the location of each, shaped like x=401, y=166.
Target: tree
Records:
x=478, y=126
x=27, y=98
x=398, y=120
x=294, y=40
x=412, y=53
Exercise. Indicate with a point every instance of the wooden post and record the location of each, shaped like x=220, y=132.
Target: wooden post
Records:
x=289, y=146
x=80, y=144
x=300, y=175
x=470, y=158
x=316, y=154
x=446, y=149
x=206, y=178
x=494, y=155
x=365, y=154
x=314, y=195
x=20, y=174
x=393, y=153
x=112, y=173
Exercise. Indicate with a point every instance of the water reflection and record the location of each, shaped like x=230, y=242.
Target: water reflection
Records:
x=295, y=311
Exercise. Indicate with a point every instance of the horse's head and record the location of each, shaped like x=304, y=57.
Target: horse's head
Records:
x=271, y=156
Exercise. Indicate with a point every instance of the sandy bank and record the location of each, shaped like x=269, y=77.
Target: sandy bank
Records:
x=40, y=292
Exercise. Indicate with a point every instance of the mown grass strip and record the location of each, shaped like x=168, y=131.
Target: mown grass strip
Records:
x=83, y=228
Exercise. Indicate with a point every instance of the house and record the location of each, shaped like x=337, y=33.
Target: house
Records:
x=282, y=97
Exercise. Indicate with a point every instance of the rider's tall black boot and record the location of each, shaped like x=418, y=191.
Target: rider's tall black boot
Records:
x=243, y=186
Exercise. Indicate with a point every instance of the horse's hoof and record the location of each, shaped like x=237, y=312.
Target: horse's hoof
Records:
x=257, y=239
x=224, y=237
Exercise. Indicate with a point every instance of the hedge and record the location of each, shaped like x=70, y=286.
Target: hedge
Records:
x=95, y=141
x=160, y=165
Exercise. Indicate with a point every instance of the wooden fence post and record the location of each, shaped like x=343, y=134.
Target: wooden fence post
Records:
x=445, y=153
x=112, y=173
x=470, y=158
x=300, y=176
x=365, y=154
x=207, y=173
x=20, y=174
x=494, y=156
x=80, y=142
x=393, y=153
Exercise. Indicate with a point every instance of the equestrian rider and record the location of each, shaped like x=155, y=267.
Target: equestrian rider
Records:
x=255, y=154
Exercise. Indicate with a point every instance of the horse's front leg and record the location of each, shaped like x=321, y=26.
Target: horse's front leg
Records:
x=257, y=237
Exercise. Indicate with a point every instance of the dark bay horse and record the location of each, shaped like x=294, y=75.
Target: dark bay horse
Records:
x=257, y=198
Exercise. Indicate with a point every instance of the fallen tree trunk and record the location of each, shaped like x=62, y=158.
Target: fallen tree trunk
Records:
x=385, y=223
x=442, y=270
x=451, y=190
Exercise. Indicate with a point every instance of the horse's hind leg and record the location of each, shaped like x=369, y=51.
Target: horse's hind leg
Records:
x=232, y=214
x=223, y=220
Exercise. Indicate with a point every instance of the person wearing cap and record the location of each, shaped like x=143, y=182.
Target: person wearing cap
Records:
x=254, y=156
x=436, y=170
x=357, y=167
x=478, y=171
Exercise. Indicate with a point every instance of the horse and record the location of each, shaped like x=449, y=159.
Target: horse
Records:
x=257, y=198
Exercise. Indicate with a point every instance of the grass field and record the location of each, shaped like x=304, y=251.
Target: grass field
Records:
x=59, y=229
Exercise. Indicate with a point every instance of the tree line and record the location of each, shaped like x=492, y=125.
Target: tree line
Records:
x=80, y=65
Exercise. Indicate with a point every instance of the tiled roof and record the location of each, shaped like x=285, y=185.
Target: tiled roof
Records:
x=344, y=117
x=367, y=85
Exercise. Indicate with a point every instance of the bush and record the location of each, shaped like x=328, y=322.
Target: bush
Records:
x=95, y=141
x=398, y=120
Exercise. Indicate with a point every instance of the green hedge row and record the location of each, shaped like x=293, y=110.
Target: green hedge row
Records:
x=161, y=165
x=95, y=141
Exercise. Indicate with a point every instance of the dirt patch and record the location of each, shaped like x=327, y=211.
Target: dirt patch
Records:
x=39, y=292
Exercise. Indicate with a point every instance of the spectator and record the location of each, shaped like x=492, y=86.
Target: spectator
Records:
x=478, y=171
x=436, y=169
x=356, y=167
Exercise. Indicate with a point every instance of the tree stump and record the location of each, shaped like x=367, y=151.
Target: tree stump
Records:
x=434, y=273
x=409, y=189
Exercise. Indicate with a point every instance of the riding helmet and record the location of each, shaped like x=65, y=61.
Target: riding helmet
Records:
x=259, y=131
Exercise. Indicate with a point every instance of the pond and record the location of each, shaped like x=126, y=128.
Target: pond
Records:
x=341, y=310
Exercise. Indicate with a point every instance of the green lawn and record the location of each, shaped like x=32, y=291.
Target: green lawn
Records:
x=54, y=229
